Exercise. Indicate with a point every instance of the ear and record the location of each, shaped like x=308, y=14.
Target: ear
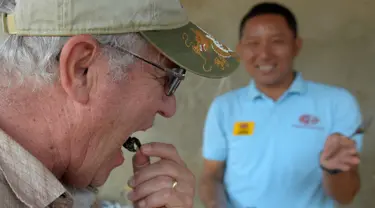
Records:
x=298, y=45
x=76, y=59
x=239, y=49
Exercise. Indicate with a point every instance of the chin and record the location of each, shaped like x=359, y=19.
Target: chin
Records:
x=99, y=181
x=76, y=181
x=268, y=82
x=86, y=180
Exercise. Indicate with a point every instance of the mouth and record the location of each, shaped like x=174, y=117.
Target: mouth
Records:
x=266, y=67
x=132, y=144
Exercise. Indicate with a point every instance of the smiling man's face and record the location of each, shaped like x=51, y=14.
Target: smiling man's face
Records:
x=268, y=48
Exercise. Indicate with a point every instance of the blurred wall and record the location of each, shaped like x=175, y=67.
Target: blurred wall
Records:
x=339, y=48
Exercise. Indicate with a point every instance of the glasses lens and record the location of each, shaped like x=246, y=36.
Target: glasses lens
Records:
x=173, y=86
x=175, y=81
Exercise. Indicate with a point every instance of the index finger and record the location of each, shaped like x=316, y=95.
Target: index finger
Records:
x=347, y=142
x=162, y=150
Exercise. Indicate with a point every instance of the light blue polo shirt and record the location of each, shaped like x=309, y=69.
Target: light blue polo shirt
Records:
x=276, y=164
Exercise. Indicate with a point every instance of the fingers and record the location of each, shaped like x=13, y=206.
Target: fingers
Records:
x=148, y=187
x=349, y=157
x=139, y=161
x=165, y=197
x=162, y=150
x=160, y=168
x=346, y=142
x=346, y=164
x=152, y=183
x=339, y=153
x=335, y=143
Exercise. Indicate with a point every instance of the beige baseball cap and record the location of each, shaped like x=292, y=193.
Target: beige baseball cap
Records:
x=164, y=23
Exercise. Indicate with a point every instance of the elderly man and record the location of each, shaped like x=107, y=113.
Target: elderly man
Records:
x=77, y=79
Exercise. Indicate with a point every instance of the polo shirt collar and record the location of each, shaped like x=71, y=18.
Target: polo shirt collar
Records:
x=298, y=86
x=254, y=93
x=29, y=179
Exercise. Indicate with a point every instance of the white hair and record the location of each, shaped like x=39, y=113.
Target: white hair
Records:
x=35, y=57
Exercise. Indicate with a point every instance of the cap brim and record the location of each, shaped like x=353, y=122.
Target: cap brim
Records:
x=195, y=50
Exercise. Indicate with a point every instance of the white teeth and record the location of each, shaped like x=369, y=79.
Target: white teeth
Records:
x=265, y=67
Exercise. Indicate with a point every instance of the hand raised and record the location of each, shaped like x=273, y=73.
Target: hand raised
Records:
x=165, y=183
x=339, y=153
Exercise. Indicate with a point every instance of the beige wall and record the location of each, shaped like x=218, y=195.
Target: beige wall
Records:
x=339, y=48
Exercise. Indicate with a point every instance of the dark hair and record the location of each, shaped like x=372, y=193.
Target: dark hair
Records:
x=270, y=8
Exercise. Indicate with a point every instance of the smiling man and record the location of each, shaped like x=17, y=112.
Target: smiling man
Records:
x=77, y=79
x=282, y=141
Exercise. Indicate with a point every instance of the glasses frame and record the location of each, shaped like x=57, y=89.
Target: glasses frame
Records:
x=176, y=75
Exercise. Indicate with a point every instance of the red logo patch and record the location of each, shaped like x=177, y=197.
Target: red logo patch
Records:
x=308, y=119
x=244, y=126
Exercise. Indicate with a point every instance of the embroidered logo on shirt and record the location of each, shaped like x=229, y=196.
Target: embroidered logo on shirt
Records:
x=308, y=121
x=243, y=128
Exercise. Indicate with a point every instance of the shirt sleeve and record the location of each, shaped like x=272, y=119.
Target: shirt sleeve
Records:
x=347, y=117
x=214, y=140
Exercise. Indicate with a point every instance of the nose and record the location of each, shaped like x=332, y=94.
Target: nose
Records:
x=264, y=52
x=168, y=107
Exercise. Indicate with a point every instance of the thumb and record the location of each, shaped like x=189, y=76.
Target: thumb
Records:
x=331, y=147
x=140, y=160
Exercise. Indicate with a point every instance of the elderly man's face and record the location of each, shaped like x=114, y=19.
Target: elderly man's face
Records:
x=107, y=110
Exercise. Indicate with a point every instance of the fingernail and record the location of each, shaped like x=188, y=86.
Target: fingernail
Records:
x=131, y=181
x=130, y=195
x=145, y=148
x=142, y=203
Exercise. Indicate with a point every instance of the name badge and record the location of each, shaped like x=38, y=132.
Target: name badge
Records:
x=243, y=128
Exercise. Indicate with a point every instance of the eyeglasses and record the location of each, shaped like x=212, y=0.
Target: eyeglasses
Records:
x=175, y=75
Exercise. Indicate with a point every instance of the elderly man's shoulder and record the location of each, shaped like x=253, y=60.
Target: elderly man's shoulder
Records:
x=7, y=196
x=25, y=181
x=81, y=198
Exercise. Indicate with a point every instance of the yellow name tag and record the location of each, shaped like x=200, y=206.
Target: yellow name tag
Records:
x=243, y=128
